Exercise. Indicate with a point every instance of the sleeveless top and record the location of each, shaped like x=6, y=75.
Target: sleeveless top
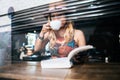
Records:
x=60, y=50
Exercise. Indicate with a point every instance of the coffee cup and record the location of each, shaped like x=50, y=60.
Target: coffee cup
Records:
x=55, y=25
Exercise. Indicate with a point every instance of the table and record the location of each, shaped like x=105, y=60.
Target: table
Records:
x=27, y=70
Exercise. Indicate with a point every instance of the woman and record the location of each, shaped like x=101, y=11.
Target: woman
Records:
x=61, y=41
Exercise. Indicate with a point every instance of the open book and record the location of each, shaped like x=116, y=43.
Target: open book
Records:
x=65, y=61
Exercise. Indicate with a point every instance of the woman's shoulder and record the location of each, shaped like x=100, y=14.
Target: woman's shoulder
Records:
x=78, y=32
x=79, y=37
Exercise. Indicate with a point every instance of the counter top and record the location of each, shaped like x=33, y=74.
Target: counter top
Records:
x=32, y=71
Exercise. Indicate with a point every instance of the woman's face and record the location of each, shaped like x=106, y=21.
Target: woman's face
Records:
x=58, y=15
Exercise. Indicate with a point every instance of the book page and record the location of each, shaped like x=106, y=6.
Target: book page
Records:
x=79, y=49
x=56, y=63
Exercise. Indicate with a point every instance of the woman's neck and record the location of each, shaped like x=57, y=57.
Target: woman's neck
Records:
x=60, y=33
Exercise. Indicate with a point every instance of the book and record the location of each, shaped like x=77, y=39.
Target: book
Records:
x=64, y=62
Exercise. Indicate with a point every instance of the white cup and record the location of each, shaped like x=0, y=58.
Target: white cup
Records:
x=55, y=25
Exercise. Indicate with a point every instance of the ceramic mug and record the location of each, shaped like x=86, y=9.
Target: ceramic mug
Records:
x=55, y=25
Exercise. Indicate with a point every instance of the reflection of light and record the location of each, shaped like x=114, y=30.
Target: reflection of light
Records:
x=93, y=6
x=91, y=0
x=34, y=31
x=32, y=18
x=119, y=37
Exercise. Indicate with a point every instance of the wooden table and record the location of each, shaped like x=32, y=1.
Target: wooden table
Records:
x=33, y=71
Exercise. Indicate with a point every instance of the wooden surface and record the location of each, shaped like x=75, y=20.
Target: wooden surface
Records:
x=33, y=71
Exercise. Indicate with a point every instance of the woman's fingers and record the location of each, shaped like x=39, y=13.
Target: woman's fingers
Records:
x=45, y=28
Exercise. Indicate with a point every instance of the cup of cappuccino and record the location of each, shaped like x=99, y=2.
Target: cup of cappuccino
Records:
x=55, y=25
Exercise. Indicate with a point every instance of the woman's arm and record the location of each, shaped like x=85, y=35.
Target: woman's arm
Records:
x=80, y=38
x=40, y=43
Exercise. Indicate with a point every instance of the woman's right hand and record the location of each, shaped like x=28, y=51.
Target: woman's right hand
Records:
x=45, y=28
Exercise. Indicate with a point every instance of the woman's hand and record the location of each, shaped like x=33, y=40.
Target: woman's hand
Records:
x=45, y=28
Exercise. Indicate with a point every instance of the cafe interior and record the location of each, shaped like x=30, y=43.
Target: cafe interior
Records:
x=98, y=19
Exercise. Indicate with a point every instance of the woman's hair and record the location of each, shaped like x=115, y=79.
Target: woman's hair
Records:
x=68, y=27
x=68, y=36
